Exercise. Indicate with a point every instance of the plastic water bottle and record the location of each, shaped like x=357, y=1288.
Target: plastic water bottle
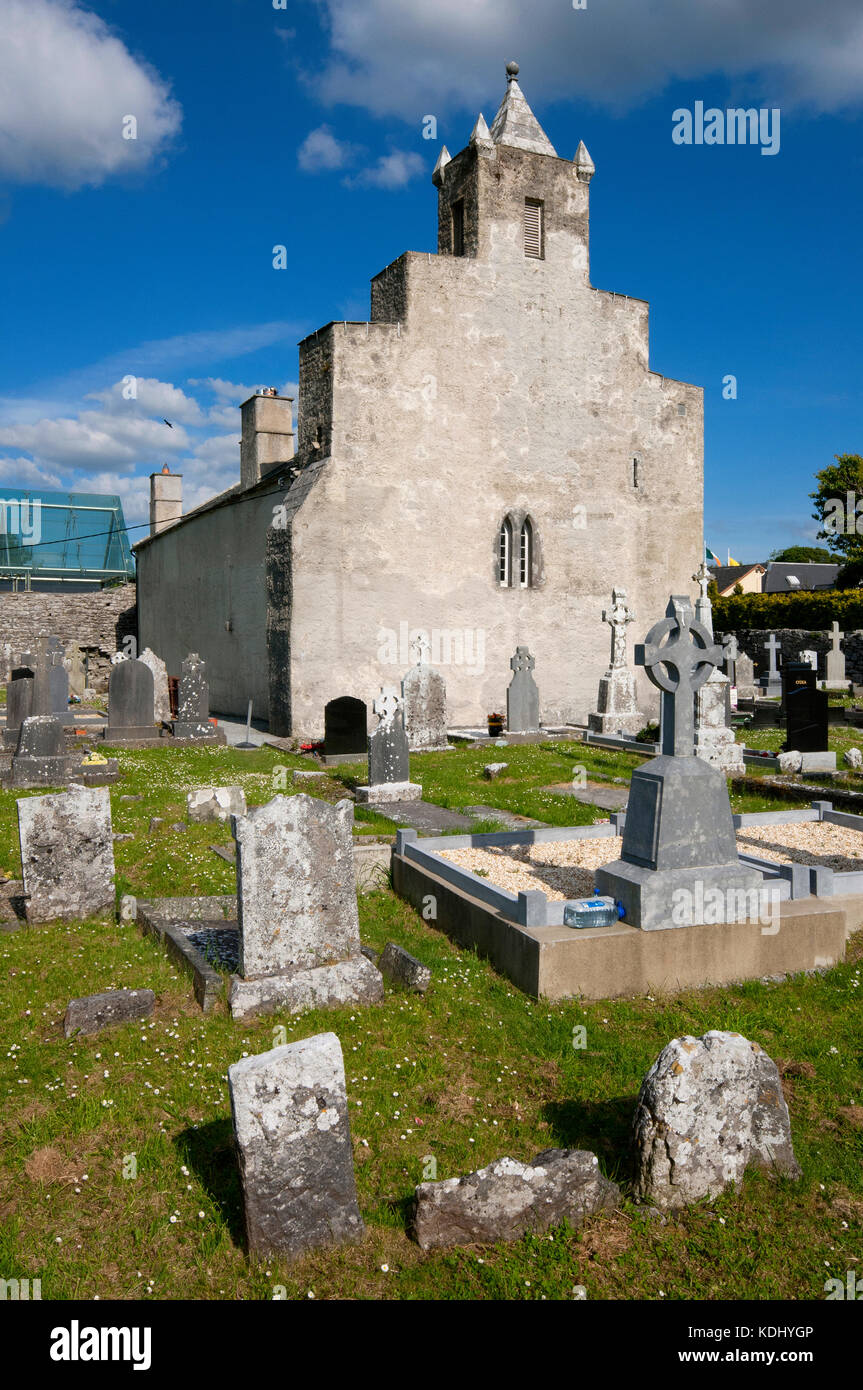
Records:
x=592, y=912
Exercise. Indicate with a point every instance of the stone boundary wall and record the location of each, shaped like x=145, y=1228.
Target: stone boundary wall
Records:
x=796, y=640
x=97, y=621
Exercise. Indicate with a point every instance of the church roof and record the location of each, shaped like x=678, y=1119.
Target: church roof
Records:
x=515, y=124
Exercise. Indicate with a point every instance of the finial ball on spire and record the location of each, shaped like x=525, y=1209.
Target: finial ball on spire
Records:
x=512, y=70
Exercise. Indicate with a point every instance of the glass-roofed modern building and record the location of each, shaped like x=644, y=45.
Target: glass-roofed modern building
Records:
x=56, y=540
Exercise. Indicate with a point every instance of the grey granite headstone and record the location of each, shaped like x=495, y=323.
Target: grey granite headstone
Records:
x=836, y=659
x=67, y=854
x=290, y=1116
x=40, y=759
x=161, y=698
x=522, y=696
x=679, y=831
x=130, y=703
x=50, y=679
x=193, y=700
x=297, y=907
x=771, y=681
x=19, y=706
x=389, y=756
x=424, y=702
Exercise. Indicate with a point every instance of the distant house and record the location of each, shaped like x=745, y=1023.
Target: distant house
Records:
x=793, y=578
x=749, y=577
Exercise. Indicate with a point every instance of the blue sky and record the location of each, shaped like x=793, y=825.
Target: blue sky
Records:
x=259, y=125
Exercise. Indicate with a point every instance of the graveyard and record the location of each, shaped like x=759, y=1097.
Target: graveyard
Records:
x=438, y=1084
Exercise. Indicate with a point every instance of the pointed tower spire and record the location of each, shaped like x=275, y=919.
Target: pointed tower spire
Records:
x=584, y=165
x=443, y=159
x=515, y=124
x=481, y=135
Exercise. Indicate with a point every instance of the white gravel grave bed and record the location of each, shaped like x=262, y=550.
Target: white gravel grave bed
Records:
x=565, y=868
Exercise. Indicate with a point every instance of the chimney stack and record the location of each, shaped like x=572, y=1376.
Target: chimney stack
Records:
x=166, y=500
x=267, y=434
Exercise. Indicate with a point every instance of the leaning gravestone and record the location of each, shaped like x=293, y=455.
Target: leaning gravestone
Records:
x=617, y=709
x=297, y=906
x=19, y=704
x=40, y=759
x=161, y=697
x=130, y=703
x=389, y=756
x=679, y=831
x=290, y=1115
x=522, y=696
x=709, y=1108
x=424, y=703
x=67, y=855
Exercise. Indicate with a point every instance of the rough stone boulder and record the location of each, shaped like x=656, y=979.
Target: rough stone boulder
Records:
x=404, y=969
x=215, y=803
x=508, y=1199
x=853, y=757
x=792, y=761
x=709, y=1108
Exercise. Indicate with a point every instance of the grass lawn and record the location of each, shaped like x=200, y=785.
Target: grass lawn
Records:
x=116, y=1171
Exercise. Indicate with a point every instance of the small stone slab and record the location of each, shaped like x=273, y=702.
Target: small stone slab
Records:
x=402, y=968
x=290, y=1115
x=94, y=1012
x=493, y=770
x=510, y=820
x=384, y=793
x=508, y=1199
x=215, y=803
x=353, y=981
x=425, y=816
x=708, y=1109
x=607, y=798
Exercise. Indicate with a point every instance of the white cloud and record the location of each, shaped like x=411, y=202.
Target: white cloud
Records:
x=67, y=83
x=152, y=397
x=95, y=439
x=431, y=56
x=322, y=150
x=392, y=170
x=24, y=473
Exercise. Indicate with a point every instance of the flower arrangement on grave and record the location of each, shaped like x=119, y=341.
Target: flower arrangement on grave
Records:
x=495, y=724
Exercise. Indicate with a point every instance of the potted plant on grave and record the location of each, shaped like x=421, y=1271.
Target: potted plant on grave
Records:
x=495, y=725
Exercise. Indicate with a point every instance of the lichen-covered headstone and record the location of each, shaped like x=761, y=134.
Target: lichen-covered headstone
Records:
x=215, y=803
x=161, y=697
x=708, y=1109
x=50, y=679
x=67, y=854
x=40, y=759
x=389, y=756
x=193, y=700
x=290, y=1115
x=424, y=703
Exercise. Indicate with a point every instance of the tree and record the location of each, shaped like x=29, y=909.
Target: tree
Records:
x=851, y=575
x=838, y=502
x=805, y=554
x=738, y=589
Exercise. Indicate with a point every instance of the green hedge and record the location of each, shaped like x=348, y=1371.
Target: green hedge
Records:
x=812, y=611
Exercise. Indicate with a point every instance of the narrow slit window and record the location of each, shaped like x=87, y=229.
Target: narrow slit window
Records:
x=525, y=555
x=635, y=470
x=458, y=228
x=533, y=228
x=504, y=554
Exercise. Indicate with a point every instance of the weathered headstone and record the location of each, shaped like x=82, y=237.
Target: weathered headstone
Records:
x=809, y=657
x=130, y=703
x=19, y=704
x=714, y=736
x=76, y=664
x=193, y=709
x=345, y=728
x=744, y=676
x=290, y=1115
x=522, y=695
x=297, y=904
x=399, y=965
x=679, y=831
x=50, y=679
x=215, y=803
x=389, y=757
x=617, y=709
x=40, y=759
x=67, y=855
x=424, y=702
x=161, y=697
x=508, y=1199
x=836, y=677
x=94, y=1012
x=709, y=1108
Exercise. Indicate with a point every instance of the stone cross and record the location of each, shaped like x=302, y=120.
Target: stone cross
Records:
x=421, y=648
x=691, y=655
x=731, y=649
x=702, y=578
x=703, y=606
x=617, y=618
x=773, y=647
x=387, y=703
x=522, y=661
x=835, y=635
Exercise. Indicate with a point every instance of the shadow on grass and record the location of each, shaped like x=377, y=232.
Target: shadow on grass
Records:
x=209, y=1151
x=603, y=1127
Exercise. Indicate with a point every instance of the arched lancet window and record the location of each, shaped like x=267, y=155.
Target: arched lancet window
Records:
x=504, y=554
x=525, y=557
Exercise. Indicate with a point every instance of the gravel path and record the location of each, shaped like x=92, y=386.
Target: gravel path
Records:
x=565, y=868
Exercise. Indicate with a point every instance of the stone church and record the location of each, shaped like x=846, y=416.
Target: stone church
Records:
x=476, y=468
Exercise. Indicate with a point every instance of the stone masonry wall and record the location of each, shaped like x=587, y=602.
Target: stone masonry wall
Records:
x=796, y=640
x=97, y=621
